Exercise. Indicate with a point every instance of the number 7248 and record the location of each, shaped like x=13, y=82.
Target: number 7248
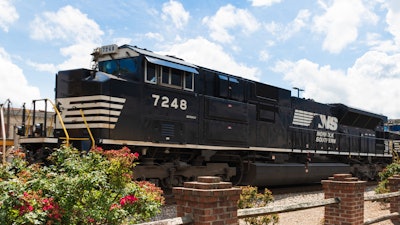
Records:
x=166, y=102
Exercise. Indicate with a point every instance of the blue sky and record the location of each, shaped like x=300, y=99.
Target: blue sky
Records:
x=338, y=51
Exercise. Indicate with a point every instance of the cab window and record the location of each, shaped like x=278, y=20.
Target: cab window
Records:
x=110, y=67
x=170, y=77
x=188, y=81
x=151, y=73
x=119, y=67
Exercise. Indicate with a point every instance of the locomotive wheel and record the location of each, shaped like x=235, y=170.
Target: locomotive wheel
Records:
x=236, y=180
x=233, y=161
x=173, y=181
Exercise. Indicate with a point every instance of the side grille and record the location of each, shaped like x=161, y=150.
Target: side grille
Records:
x=167, y=130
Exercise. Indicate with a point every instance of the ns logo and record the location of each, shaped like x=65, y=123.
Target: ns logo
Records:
x=328, y=122
x=305, y=118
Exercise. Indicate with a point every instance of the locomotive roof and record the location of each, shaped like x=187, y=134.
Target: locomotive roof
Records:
x=155, y=58
x=158, y=56
x=345, y=108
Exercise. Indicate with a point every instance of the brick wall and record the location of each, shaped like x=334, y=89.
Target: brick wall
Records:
x=208, y=200
x=350, y=190
x=394, y=185
x=212, y=202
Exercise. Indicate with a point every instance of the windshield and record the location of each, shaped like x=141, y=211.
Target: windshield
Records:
x=119, y=66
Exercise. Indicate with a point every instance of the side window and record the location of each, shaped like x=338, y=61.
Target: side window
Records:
x=167, y=76
x=188, y=81
x=176, y=77
x=151, y=72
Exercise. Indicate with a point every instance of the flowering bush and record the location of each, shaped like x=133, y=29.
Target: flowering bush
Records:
x=92, y=187
x=251, y=198
x=390, y=170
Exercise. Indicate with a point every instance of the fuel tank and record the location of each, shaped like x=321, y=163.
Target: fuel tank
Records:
x=268, y=174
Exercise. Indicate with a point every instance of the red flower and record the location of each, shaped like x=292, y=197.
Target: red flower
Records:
x=129, y=199
x=48, y=204
x=52, y=208
x=90, y=220
x=24, y=209
x=115, y=206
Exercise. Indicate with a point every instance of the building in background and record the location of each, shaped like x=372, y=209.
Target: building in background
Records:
x=29, y=122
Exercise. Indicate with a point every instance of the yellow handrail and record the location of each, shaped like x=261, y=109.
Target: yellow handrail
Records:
x=87, y=127
x=3, y=133
x=28, y=121
x=61, y=122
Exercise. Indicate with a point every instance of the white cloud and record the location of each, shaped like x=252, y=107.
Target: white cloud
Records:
x=78, y=55
x=377, y=43
x=80, y=35
x=393, y=18
x=68, y=24
x=14, y=85
x=155, y=36
x=204, y=53
x=122, y=41
x=284, y=32
x=45, y=67
x=258, y=3
x=8, y=14
x=320, y=83
x=370, y=84
x=229, y=17
x=264, y=56
x=340, y=23
x=176, y=12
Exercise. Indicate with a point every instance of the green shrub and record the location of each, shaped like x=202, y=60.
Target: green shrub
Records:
x=389, y=171
x=94, y=187
x=251, y=198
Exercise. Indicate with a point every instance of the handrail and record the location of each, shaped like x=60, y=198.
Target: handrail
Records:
x=378, y=197
x=61, y=122
x=88, y=128
x=381, y=218
x=28, y=121
x=382, y=196
x=251, y=212
x=3, y=134
x=173, y=221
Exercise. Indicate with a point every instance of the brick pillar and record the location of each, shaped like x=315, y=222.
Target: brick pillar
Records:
x=394, y=185
x=350, y=210
x=208, y=200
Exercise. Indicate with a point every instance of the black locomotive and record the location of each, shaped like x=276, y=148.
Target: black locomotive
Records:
x=186, y=121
